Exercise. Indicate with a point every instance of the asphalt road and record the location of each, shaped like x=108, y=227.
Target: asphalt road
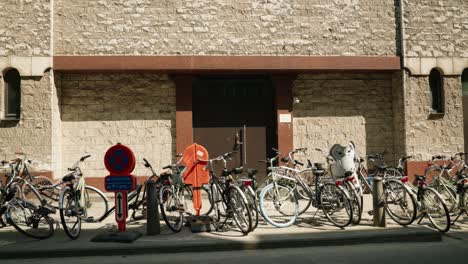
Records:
x=452, y=249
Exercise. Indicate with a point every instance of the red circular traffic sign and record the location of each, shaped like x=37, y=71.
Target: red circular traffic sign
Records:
x=119, y=160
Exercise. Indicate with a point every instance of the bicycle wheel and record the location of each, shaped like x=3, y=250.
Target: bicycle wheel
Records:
x=216, y=200
x=240, y=209
x=308, y=179
x=137, y=203
x=436, y=209
x=96, y=204
x=448, y=194
x=253, y=205
x=29, y=219
x=207, y=201
x=392, y=173
x=70, y=213
x=279, y=205
x=336, y=205
x=171, y=209
x=355, y=202
x=49, y=194
x=400, y=204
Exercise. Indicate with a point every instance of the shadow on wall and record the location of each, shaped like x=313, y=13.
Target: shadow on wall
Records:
x=336, y=108
x=101, y=109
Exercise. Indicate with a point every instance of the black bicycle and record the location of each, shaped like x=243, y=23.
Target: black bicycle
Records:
x=229, y=200
x=77, y=204
x=31, y=219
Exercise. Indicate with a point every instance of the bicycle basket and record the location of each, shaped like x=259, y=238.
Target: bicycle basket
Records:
x=282, y=171
x=177, y=179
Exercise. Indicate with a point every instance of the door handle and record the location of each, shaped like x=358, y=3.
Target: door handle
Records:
x=237, y=142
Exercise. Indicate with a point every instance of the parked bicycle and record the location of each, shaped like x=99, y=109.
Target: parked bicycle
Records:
x=31, y=219
x=279, y=202
x=399, y=203
x=20, y=167
x=442, y=176
x=430, y=204
x=249, y=186
x=462, y=191
x=229, y=201
x=78, y=201
x=176, y=198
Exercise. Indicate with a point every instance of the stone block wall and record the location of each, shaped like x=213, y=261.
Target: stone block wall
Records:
x=428, y=135
x=32, y=133
x=241, y=27
x=436, y=28
x=336, y=108
x=436, y=35
x=25, y=27
x=399, y=118
x=100, y=110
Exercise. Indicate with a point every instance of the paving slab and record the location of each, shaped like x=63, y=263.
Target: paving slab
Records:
x=311, y=229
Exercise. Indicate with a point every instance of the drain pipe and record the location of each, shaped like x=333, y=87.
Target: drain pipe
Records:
x=402, y=44
x=401, y=4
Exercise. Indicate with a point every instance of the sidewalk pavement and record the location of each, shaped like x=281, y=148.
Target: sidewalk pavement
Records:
x=310, y=230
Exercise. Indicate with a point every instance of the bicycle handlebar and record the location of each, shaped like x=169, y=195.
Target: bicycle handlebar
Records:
x=220, y=157
x=438, y=157
x=459, y=154
x=84, y=157
x=300, y=150
x=298, y=162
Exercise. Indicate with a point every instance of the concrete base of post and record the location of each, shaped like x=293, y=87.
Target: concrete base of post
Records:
x=378, y=202
x=153, y=226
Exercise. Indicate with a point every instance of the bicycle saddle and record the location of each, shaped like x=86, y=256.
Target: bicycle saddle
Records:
x=319, y=166
x=69, y=177
x=318, y=170
x=225, y=172
x=420, y=177
x=381, y=167
x=238, y=170
x=403, y=159
x=251, y=172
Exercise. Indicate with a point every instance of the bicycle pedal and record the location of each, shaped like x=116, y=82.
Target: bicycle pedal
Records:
x=89, y=219
x=371, y=212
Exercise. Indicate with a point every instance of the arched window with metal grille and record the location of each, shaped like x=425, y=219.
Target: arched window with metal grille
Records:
x=12, y=94
x=436, y=84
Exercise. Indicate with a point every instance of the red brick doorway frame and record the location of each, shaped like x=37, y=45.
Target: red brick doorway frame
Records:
x=283, y=102
x=184, y=115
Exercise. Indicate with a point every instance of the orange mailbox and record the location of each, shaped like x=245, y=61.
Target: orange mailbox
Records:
x=196, y=174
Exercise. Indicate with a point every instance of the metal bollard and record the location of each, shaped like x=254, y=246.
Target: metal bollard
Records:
x=153, y=226
x=378, y=202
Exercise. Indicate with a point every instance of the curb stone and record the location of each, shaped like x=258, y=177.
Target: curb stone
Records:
x=209, y=245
